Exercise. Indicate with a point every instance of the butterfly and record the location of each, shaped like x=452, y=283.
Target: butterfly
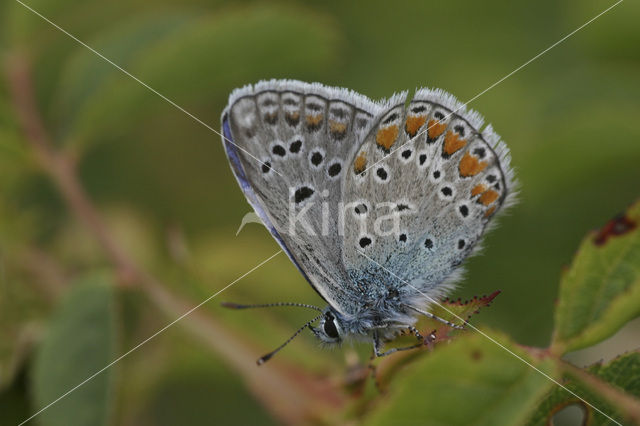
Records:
x=376, y=203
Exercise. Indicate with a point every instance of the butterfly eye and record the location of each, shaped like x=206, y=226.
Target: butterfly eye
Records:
x=330, y=328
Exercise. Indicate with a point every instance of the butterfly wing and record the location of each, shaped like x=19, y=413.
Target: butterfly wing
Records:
x=289, y=144
x=417, y=214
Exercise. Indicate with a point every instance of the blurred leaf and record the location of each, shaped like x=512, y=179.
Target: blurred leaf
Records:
x=191, y=382
x=623, y=372
x=22, y=26
x=15, y=164
x=216, y=264
x=601, y=290
x=14, y=401
x=15, y=347
x=470, y=381
x=86, y=73
x=23, y=304
x=81, y=341
x=199, y=59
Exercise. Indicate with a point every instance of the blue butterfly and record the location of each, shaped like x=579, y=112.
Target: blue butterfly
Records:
x=376, y=203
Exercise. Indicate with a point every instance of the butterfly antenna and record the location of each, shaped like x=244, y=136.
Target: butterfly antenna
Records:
x=268, y=356
x=231, y=305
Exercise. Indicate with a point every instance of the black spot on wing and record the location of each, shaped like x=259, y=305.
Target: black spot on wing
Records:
x=480, y=152
x=295, y=146
x=364, y=242
x=382, y=174
x=334, y=169
x=391, y=118
x=302, y=194
x=316, y=158
x=361, y=209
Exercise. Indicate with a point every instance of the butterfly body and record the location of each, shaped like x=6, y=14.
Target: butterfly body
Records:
x=376, y=203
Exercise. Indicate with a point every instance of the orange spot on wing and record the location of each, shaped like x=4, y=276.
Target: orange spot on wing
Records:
x=490, y=211
x=314, y=120
x=478, y=189
x=435, y=129
x=470, y=165
x=453, y=142
x=386, y=137
x=360, y=163
x=337, y=127
x=414, y=123
x=488, y=197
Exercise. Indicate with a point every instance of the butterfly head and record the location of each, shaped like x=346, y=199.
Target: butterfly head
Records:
x=329, y=329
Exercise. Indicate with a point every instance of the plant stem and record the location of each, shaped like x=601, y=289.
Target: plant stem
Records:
x=291, y=396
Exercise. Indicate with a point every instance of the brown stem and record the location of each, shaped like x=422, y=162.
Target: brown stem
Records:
x=58, y=164
x=291, y=396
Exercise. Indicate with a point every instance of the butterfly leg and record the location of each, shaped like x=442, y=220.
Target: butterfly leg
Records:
x=377, y=346
x=437, y=318
x=373, y=370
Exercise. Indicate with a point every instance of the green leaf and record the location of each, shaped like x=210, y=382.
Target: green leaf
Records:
x=191, y=60
x=81, y=341
x=470, y=381
x=623, y=372
x=86, y=74
x=601, y=290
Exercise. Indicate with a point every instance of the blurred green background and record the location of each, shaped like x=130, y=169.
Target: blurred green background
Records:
x=161, y=181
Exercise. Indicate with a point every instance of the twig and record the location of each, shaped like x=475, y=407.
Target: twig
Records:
x=291, y=396
x=58, y=164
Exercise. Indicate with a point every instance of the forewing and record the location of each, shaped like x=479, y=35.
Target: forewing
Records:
x=430, y=182
x=289, y=144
